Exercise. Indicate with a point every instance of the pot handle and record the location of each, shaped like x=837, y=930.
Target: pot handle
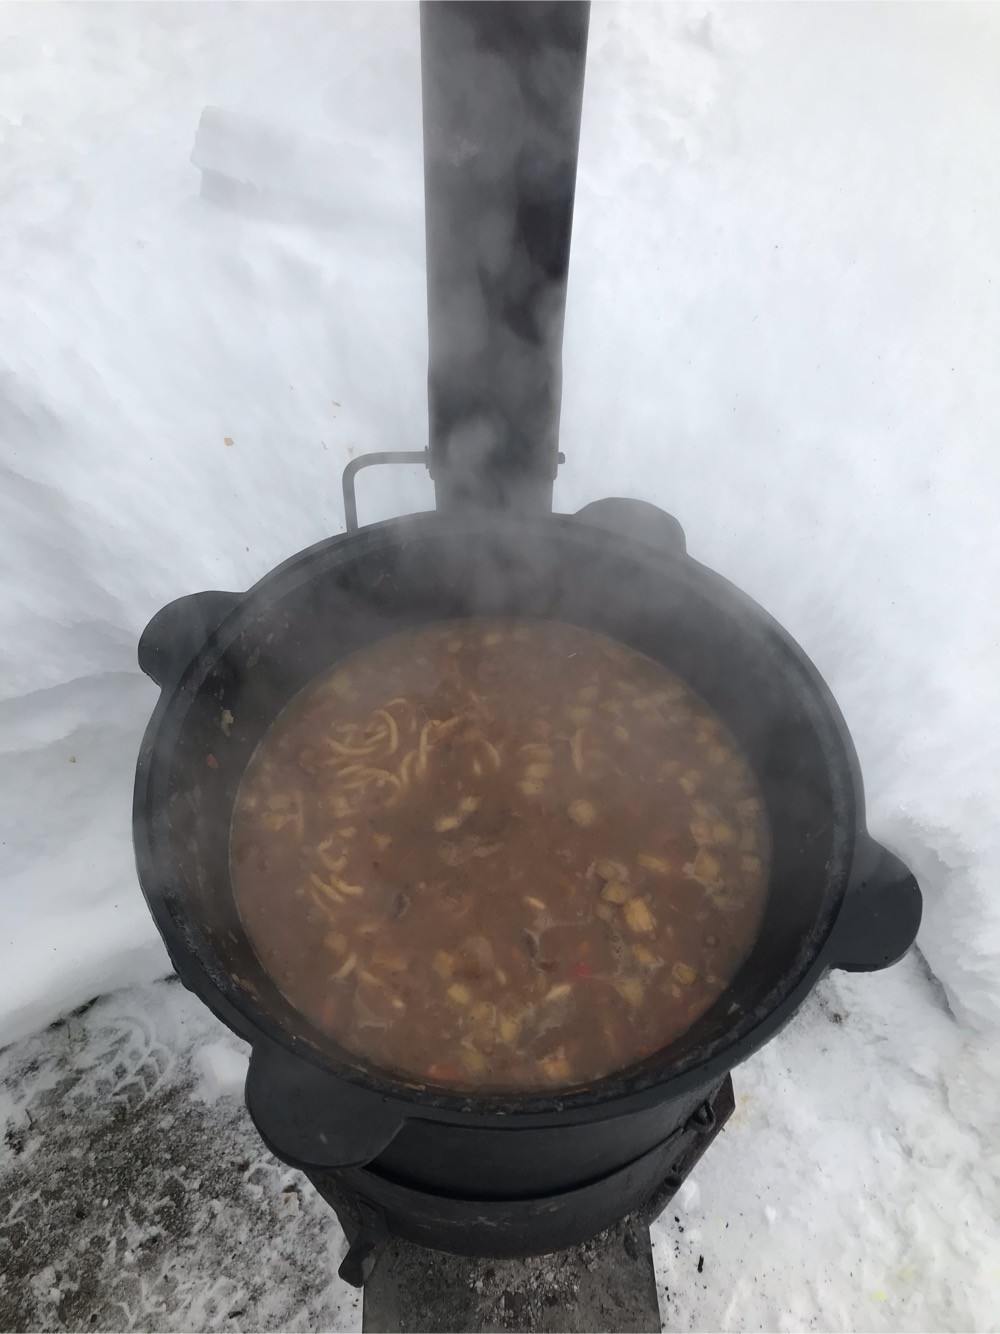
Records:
x=637, y=519
x=177, y=632
x=309, y=1118
x=880, y=915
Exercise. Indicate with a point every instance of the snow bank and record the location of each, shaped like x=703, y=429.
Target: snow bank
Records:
x=782, y=326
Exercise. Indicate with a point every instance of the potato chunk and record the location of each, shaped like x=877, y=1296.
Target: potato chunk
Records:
x=639, y=918
x=582, y=812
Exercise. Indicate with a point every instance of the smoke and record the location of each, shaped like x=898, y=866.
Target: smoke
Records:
x=502, y=95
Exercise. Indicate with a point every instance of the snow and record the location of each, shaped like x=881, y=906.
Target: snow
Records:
x=222, y=1069
x=782, y=326
x=129, y=1202
x=857, y=1185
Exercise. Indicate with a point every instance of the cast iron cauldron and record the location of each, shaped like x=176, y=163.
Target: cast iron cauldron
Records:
x=837, y=898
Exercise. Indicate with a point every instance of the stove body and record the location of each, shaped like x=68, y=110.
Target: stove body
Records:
x=373, y=1206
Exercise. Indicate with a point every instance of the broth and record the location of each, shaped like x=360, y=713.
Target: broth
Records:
x=504, y=855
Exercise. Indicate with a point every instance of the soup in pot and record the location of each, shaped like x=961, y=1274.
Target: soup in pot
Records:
x=500, y=855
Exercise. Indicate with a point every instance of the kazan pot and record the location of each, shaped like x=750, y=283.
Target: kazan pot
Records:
x=227, y=663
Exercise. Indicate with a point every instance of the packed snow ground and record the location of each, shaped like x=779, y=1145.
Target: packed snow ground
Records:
x=856, y=1187
x=782, y=327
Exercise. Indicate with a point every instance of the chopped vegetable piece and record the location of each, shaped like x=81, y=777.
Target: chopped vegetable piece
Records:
x=638, y=917
x=706, y=867
x=556, y=1068
x=508, y=1029
x=649, y=862
x=444, y=964
x=631, y=988
x=615, y=892
x=683, y=973
x=460, y=994
x=609, y=870
x=582, y=812
x=473, y=1061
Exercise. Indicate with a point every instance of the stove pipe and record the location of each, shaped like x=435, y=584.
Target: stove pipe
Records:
x=502, y=99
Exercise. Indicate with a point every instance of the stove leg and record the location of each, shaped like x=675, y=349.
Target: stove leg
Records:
x=606, y=1284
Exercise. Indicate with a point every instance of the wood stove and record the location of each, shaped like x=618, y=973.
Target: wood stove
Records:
x=490, y=1174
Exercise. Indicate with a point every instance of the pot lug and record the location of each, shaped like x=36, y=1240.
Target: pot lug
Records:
x=880, y=915
x=636, y=519
x=178, y=631
x=309, y=1118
